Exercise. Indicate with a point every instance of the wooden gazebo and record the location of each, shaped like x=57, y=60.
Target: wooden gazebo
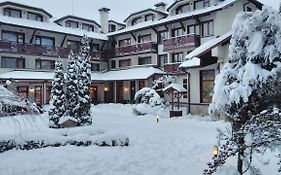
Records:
x=175, y=91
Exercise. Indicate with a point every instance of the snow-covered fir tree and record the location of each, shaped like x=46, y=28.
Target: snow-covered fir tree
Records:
x=57, y=102
x=84, y=83
x=72, y=98
x=248, y=91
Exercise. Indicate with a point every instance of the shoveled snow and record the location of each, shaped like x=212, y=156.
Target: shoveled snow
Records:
x=175, y=87
x=171, y=147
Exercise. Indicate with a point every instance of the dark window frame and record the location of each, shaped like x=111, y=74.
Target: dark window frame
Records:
x=128, y=42
x=179, y=9
x=39, y=62
x=46, y=37
x=125, y=61
x=36, y=16
x=141, y=60
x=113, y=62
x=194, y=28
x=178, y=35
x=112, y=28
x=161, y=38
x=10, y=12
x=69, y=22
x=98, y=67
x=144, y=36
x=159, y=57
x=18, y=59
x=209, y=33
x=16, y=33
x=177, y=60
x=149, y=15
x=92, y=28
x=136, y=21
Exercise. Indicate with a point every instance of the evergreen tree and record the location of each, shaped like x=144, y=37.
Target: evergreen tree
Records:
x=84, y=83
x=57, y=102
x=72, y=100
x=248, y=91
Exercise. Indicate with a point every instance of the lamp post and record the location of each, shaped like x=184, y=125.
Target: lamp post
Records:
x=157, y=118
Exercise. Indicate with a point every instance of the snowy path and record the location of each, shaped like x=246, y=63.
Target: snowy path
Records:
x=172, y=147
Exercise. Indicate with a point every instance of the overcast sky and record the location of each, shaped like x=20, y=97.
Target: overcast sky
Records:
x=120, y=9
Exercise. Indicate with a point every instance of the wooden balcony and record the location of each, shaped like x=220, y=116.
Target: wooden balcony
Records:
x=172, y=67
x=182, y=42
x=149, y=47
x=38, y=50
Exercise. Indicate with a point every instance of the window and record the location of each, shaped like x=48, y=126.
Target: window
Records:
x=45, y=41
x=22, y=91
x=12, y=13
x=162, y=36
x=95, y=67
x=141, y=84
x=38, y=95
x=125, y=63
x=71, y=24
x=125, y=42
x=145, y=60
x=144, y=38
x=34, y=16
x=249, y=9
x=13, y=37
x=207, y=78
x=184, y=83
x=183, y=9
x=201, y=4
x=95, y=47
x=207, y=28
x=177, y=57
x=48, y=94
x=177, y=32
x=163, y=59
x=193, y=29
x=136, y=21
x=111, y=28
x=73, y=45
x=149, y=17
x=9, y=62
x=45, y=64
x=87, y=27
x=113, y=64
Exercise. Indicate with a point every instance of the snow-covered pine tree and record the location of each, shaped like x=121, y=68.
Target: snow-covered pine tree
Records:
x=72, y=103
x=84, y=83
x=248, y=91
x=57, y=101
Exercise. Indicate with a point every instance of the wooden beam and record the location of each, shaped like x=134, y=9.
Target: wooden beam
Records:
x=166, y=26
x=182, y=26
x=133, y=36
x=154, y=29
x=64, y=38
x=32, y=37
x=197, y=20
x=102, y=46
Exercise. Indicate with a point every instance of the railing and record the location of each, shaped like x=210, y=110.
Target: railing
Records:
x=149, y=47
x=173, y=67
x=38, y=50
x=181, y=42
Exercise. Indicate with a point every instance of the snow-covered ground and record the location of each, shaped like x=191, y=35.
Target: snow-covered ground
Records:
x=175, y=146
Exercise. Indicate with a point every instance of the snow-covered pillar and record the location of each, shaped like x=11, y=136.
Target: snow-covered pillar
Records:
x=104, y=19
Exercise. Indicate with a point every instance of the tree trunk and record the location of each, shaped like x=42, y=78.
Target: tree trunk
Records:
x=240, y=155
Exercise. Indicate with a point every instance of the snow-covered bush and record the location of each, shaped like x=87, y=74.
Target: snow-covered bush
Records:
x=248, y=90
x=57, y=103
x=148, y=102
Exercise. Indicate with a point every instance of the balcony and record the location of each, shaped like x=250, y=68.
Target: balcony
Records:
x=149, y=47
x=171, y=67
x=182, y=42
x=38, y=50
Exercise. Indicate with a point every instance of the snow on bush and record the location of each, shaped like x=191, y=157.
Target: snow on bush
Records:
x=148, y=102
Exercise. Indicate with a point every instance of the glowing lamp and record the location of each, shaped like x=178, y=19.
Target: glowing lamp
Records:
x=126, y=89
x=215, y=151
x=31, y=89
x=105, y=89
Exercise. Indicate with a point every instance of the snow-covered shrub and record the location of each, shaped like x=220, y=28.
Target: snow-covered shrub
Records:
x=57, y=103
x=148, y=102
x=248, y=90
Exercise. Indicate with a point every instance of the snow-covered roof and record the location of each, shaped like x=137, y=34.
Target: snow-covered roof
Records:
x=175, y=87
x=27, y=75
x=147, y=24
x=193, y=62
x=50, y=26
x=207, y=46
x=139, y=73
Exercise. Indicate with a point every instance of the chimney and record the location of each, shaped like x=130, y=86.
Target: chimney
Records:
x=161, y=6
x=104, y=19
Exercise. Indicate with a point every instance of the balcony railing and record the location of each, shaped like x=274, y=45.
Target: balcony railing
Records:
x=149, y=47
x=38, y=50
x=181, y=42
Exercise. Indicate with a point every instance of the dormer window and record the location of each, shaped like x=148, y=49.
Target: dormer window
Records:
x=149, y=17
x=71, y=24
x=34, y=16
x=87, y=27
x=201, y=4
x=183, y=9
x=111, y=28
x=12, y=12
x=136, y=21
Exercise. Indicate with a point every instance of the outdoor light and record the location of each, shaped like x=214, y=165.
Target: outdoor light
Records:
x=215, y=151
x=31, y=89
x=157, y=118
x=105, y=89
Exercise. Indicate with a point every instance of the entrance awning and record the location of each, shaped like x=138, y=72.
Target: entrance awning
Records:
x=192, y=57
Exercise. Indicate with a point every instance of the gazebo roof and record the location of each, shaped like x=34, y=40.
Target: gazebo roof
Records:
x=175, y=87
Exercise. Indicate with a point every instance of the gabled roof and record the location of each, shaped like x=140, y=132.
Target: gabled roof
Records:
x=175, y=87
x=146, y=10
x=77, y=18
x=26, y=7
x=119, y=23
x=174, y=3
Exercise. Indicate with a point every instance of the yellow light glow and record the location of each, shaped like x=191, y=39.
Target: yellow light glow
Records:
x=215, y=151
x=126, y=89
x=31, y=89
x=105, y=89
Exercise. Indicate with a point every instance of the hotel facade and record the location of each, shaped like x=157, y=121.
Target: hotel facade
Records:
x=188, y=40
